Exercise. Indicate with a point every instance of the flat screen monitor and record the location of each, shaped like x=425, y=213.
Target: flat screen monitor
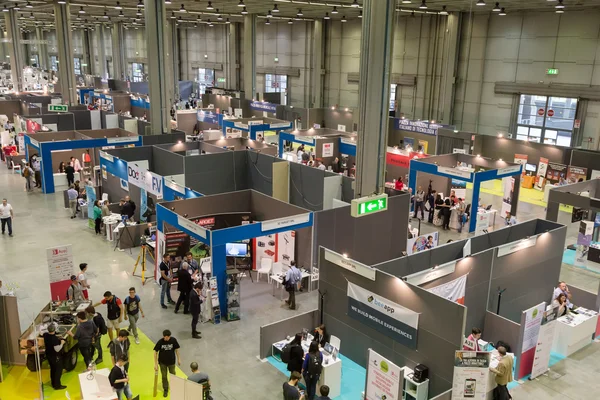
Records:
x=530, y=167
x=236, y=249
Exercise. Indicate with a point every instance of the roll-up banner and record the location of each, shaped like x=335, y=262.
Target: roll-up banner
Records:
x=471, y=375
x=521, y=159
x=540, y=176
x=531, y=330
x=384, y=378
x=383, y=315
x=541, y=361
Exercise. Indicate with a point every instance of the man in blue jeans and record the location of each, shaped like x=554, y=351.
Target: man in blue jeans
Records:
x=166, y=277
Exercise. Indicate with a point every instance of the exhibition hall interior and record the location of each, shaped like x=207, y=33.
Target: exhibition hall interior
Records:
x=300, y=200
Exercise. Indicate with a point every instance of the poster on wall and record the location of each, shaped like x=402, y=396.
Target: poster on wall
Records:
x=327, y=150
x=482, y=224
x=556, y=173
x=595, y=174
x=521, y=159
x=422, y=243
x=541, y=360
x=264, y=247
x=453, y=290
x=584, y=240
x=471, y=375
x=341, y=128
x=401, y=158
x=508, y=185
x=540, y=176
x=533, y=321
x=576, y=174
x=60, y=269
x=286, y=244
x=424, y=146
x=409, y=143
x=384, y=379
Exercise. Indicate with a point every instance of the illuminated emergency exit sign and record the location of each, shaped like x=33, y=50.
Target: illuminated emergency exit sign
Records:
x=368, y=205
x=552, y=71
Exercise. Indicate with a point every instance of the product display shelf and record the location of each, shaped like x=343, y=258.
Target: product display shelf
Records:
x=414, y=390
x=233, y=295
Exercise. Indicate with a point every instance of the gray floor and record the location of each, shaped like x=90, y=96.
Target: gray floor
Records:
x=227, y=352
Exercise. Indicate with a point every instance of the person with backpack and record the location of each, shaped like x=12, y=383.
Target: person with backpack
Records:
x=74, y=292
x=292, y=354
x=28, y=175
x=102, y=330
x=120, y=347
x=311, y=369
x=85, y=335
x=133, y=308
x=292, y=277
x=114, y=308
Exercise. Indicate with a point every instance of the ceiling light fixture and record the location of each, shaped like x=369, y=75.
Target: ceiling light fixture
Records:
x=121, y=15
x=81, y=10
x=326, y=16
x=210, y=24
x=560, y=4
x=423, y=6
x=31, y=16
x=167, y=2
x=334, y=11
x=5, y=9
x=219, y=16
x=227, y=21
x=344, y=19
x=360, y=14
x=118, y=6
x=62, y=1
x=182, y=9
x=443, y=12
x=241, y=4
x=496, y=8
x=480, y=3
x=406, y=1
x=355, y=4
x=269, y=15
x=209, y=6
x=290, y=22
x=268, y=22
x=140, y=4
x=28, y=5
x=105, y=15
x=173, y=15
x=299, y=12
x=502, y=12
x=244, y=11
x=275, y=9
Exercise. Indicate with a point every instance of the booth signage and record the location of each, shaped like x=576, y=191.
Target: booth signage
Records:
x=191, y=226
x=284, y=222
x=124, y=139
x=417, y=126
x=107, y=156
x=432, y=274
x=136, y=175
x=34, y=142
x=208, y=117
x=471, y=372
x=368, y=205
x=454, y=172
x=510, y=170
x=175, y=186
x=516, y=246
x=124, y=184
x=327, y=150
x=58, y=107
x=280, y=125
x=255, y=122
x=459, y=151
x=240, y=125
x=349, y=264
x=154, y=184
x=60, y=269
x=531, y=321
x=301, y=140
x=348, y=141
x=384, y=378
x=262, y=106
x=383, y=315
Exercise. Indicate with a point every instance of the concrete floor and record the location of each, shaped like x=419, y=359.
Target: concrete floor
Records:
x=228, y=352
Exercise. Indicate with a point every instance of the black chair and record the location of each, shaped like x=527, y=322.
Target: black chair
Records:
x=468, y=211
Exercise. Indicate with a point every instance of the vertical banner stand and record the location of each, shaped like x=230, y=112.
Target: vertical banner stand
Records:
x=214, y=297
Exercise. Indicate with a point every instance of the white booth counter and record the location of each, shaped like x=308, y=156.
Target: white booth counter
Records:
x=97, y=388
x=574, y=331
x=331, y=375
x=60, y=181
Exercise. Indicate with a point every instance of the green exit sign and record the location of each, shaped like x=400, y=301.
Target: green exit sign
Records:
x=368, y=205
x=552, y=71
x=221, y=80
x=58, y=107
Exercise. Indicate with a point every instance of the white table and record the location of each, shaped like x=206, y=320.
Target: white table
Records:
x=278, y=279
x=60, y=181
x=574, y=332
x=331, y=374
x=492, y=221
x=98, y=388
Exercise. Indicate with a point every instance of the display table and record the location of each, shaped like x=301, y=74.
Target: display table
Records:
x=527, y=181
x=331, y=375
x=60, y=181
x=574, y=331
x=492, y=221
x=278, y=279
x=98, y=388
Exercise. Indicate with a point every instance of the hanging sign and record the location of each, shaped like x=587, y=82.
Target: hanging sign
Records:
x=421, y=277
x=263, y=106
x=208, y=117
x=349, y=264
x=284, y=222
x=383, y=315
x=574, y=174
x=454, y=172
x=124, y=139
x=453, y=290
x=510, y=170
x=384, y=378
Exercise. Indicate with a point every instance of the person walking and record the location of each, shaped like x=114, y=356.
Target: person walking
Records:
x=184, y=287
x=114, y=314
x=6, y=216
x=133, y=309
x=419, y=203
x=102, y=330
x=290, y=388
x=503, y=375
x=292, y=278
x=119, y=347
x=86, y=332
x=165, y=280
x=311, y=369
x=166, y=350
x=28, y=175
x=195, y=308
x=97, y=217
x=83, y=280
x=119, y=379
x=53, y=345
x=461, y=208
x=70, y=171
x=72, y=194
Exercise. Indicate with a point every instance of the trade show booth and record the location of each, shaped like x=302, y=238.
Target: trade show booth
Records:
x=415, y=136
x=237, y=144
x=253, y=128
x=476, y=170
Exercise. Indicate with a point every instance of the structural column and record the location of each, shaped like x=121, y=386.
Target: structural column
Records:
x=317, y=65
x=249, y=61
x=452, y=44
x=103, y=69
x=88, y=56
x=42, y=48
x=118, y=54
x=15, y=48
x=183, y=66
x=66, y=72
x=160, y=67
x=232, y=53
x=174, y=51
x=374, y=95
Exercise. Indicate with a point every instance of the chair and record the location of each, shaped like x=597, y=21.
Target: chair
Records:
x=468, y=211
x=15, y=168
x=335, y=342
x=276, y=269
x=104, y=197
x=265, y=268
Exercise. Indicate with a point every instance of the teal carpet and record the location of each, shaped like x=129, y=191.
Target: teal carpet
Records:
x=569, y=257
x=353, y=377
x=554, y=358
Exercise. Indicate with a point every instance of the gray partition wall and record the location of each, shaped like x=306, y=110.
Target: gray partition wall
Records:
x=165, y=138
x=216, y=173
x=166, y=163
x=439, y=334
x=279, y=330
x=306, y=186
x=571, y=195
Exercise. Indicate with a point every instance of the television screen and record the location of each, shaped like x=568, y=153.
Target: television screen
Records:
x=236, y=249
x=530, y=167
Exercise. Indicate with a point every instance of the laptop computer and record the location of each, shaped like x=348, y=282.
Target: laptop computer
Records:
x=488, y=208
x=328, y=349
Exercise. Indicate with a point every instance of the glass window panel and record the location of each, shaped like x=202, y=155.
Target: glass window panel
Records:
x=562, y=102
x=535, y=132
x=531, y=117
x=566, y=124
x=392, y=97
x=528, y=99
x=564, y=138
x=564, y=113
x=523, y=130
x=534, y=139
x=550, y=134
x=522, y=137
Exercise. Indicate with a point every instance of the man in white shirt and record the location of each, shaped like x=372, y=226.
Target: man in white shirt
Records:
x=6, y=216
x=72, y=193
x=321, y=165
x=292, y=277
x=563, y=289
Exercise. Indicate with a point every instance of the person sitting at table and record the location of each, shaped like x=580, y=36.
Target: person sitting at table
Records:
x=147, y=231
x=320, y=335
x=473, y=337
x=510, y=219
x=561, y=303
x=564, y=289
x=296, y=354
x=399, y=184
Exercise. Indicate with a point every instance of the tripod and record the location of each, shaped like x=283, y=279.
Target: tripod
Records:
x=118, y=241
x=142, y=256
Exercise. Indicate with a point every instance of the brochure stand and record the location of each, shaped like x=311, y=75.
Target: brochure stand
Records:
x=214, y=297
x=233, y=295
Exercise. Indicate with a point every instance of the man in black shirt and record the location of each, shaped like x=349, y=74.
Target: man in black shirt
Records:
x=119, y=379
x=131, y=206
x=165, y=351
x=184, y=287
x=70, y=171
x=290, y=389
x=85, y=335
x=53, y=346
x=165, y=280
x=195, y=303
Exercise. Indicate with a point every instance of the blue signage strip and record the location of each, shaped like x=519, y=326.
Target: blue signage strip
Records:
x=262, y=106
x=423, y=127
x=347, y=148
x=208, y=117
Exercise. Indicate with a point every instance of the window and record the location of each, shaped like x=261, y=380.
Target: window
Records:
x=54, y=63
x=77, y=66
x=393, y=97
x=276, y=84
x=35, y=60
x=206, y=78
x=545, y=119
x=137, y=72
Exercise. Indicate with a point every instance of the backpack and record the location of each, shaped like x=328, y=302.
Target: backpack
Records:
x=101, y=324
x=286, y=353
x=314, y=365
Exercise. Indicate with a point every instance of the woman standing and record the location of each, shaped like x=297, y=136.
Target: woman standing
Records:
x=296, y=354
x=446, y=212
x=61, y=167
x=98, y=217
x=311, y=369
